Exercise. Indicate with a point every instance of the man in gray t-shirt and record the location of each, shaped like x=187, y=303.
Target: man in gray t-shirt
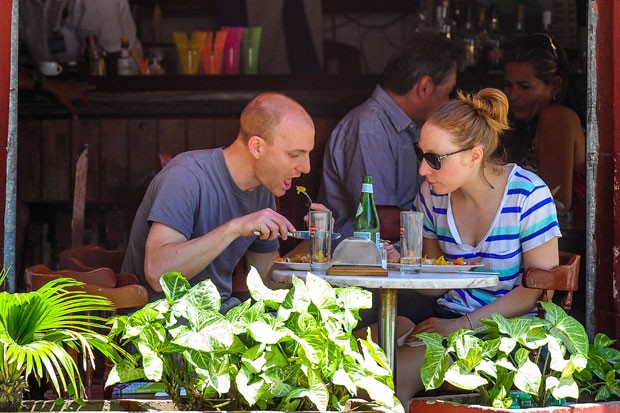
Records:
x=200, y=212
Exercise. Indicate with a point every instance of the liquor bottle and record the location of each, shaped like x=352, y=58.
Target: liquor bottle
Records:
x=125, y=65
x=366, y=218
x=470, y=42
x=96, y=61
x=422, y=17
x=494, y=47
x=444, y=24
x=520, y=19
x=546, y=22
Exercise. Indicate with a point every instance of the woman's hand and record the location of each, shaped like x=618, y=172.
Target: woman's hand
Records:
x=442, y=326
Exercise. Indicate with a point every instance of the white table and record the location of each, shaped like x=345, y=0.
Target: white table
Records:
x=390, y=285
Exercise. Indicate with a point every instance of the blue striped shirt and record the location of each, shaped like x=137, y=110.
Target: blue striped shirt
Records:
x=525, y=219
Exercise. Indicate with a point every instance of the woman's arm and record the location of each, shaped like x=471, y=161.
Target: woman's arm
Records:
x=557, y=136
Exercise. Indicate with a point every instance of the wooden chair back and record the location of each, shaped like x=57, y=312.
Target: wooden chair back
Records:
x=38, y=275
x=91, y=256
x=563, y=279
x=79, y=198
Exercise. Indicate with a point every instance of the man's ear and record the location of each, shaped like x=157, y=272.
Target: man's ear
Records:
x=425, y=86
x=255, y=145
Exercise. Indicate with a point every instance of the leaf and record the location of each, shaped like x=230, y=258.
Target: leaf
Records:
x=378, y=391
x=174, y=286
x=258, y=290
x=215, y=335
x=268, y=330
x=203, y=298
x=566, y=328
x=464, y=379
x=528, y=377
x=436, y=361
x=153, y=364
x=562, y=388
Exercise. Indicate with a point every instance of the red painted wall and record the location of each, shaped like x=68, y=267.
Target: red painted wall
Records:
x=606, y=242
x=5, y=76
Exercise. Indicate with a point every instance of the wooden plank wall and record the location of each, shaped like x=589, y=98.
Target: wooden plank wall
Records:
x=123, y=158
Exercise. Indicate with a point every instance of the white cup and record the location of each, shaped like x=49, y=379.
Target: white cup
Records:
x=411, y=241
x=50, y=68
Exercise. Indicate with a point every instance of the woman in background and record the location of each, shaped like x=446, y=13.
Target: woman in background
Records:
x=547, y=136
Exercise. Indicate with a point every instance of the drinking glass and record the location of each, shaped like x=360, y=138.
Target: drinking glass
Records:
x=411, y=241
x=320, y=241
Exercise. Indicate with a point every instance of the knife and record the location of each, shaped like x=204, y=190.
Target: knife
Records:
x=300, y=234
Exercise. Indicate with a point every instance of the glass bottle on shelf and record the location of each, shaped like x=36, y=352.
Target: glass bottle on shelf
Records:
x=495, y=43
x=546, y=22
x=125, y=65
x=469, y=41
x=519, y=19
x=422, y=17
x=444, y=24
x=95, y=55
x=366, y=218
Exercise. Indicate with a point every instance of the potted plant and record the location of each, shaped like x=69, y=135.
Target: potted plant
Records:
x=542, y=360
x=36, y=331
x=284, y=350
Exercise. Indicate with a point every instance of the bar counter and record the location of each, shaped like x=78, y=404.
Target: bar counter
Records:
x=204, y=96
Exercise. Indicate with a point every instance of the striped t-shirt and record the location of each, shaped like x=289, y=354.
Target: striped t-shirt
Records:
x=526, y=219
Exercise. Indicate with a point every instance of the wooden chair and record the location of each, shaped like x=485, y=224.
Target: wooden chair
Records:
x=38, y=275
x=125, y=297
x=563, y=278
x=91, y=256
x=118, y=288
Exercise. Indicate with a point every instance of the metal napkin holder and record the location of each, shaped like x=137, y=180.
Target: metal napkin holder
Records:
x=356, y=256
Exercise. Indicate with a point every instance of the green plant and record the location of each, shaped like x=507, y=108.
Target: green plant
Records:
x=288, y=350
x=541, y=357
x=36, y=330
x=601, y=377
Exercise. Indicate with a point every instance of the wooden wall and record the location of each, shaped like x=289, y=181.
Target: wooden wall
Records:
x=123, y=158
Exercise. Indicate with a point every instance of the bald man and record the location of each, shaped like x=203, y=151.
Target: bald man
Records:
x=199, y=213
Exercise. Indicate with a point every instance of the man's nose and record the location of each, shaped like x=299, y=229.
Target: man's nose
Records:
x=304, y=166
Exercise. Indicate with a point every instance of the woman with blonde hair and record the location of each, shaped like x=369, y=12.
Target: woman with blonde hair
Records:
x=475, y=207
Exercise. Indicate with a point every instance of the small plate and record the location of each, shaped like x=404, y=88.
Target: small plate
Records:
x=295, y=266
x=441, y=268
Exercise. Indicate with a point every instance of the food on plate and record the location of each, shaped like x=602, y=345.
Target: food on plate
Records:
x=294, y=258
x=441, y=261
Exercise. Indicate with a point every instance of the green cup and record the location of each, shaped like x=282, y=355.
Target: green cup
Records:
x=250, y=46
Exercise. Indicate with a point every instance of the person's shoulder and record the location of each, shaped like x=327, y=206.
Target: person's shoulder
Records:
x=556, y=112
x=525, y=179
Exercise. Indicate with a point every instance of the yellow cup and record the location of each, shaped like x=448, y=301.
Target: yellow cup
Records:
x=190, y=60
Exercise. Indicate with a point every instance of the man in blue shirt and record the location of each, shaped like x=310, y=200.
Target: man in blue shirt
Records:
x=377, y=137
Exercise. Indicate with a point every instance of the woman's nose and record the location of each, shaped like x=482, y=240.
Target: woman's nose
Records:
x=424, y=169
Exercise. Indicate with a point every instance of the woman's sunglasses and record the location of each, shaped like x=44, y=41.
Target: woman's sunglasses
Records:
x=433, y=160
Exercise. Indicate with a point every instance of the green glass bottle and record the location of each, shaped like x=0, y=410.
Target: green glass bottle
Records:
x=366, y=218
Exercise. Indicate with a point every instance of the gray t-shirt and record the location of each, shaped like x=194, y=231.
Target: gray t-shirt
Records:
x=194, y=194
x=376, y=138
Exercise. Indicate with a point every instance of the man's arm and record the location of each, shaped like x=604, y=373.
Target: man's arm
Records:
x=169, y=250
x=66, y=92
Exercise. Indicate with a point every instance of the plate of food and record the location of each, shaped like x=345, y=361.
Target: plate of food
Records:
x=298, y=262
x=442, y=265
